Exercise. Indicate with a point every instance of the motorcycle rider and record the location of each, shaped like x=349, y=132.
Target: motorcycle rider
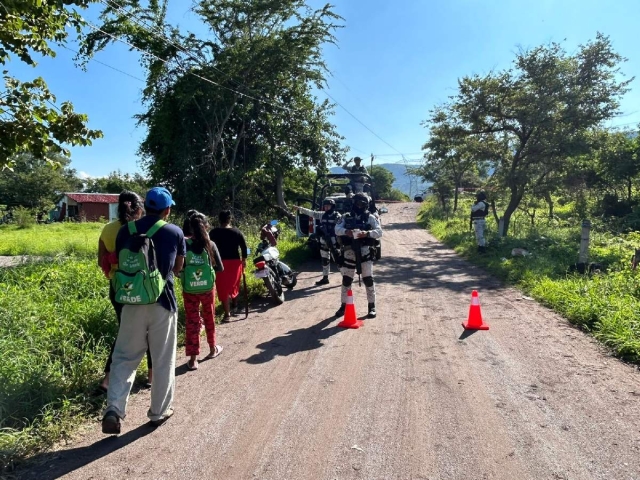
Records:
x=479, y=211
x=328, y=217
x=358, y=228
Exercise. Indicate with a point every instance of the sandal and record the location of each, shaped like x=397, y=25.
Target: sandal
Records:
x=217, y=350
x=192, y=365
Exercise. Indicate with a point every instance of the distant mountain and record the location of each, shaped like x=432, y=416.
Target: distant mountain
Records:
x=405, y=183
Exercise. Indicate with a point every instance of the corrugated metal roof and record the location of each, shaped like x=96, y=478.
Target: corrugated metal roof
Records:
x=93, y=197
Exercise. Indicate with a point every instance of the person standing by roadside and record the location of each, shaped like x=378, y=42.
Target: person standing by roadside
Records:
x=198, y=282
x=130, y=208
x=358, y=231
x=155, y=323
x=233, y=251
x=479, y=211
x=328, y=217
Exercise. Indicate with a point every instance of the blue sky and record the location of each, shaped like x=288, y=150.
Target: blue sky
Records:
x=393, y=62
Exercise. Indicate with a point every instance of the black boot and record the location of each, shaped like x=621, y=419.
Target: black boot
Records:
x=341, y=310
x=372, y=310
x=323, y=281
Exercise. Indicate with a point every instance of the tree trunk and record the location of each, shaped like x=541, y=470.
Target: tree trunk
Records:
x=495, y=213
x=514, y=201
x=549, y=200
x=280, y=188
x=455, y=199
x=629, y=189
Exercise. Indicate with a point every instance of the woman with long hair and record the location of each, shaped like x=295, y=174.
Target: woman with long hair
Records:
x=130, y=207
x=198, y=280
x=233, y=250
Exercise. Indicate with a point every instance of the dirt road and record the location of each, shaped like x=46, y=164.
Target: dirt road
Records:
x=408, y=396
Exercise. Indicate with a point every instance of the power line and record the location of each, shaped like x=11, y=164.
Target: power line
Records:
x=188, y=72
x=362, y=123
x=146, y=28
x=154, y=29
x=106, y=65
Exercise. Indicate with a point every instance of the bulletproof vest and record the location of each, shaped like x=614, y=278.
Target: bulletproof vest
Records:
x=481, y=213
x=360, y=222
x=328, y=223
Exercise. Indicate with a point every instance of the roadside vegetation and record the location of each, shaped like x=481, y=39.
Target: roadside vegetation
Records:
x=56, y=328
x=605, y=303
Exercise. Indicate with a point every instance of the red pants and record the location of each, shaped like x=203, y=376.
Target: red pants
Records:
x=228, y=281
x=192, y=302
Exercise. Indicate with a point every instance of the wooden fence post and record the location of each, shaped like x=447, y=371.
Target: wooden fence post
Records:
x=583, y=257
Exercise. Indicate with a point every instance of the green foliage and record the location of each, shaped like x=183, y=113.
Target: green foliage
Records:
x=397, y=195
x=29, y=120
x=33, y=183
x=606, y=304
x=116, y=182
x=383, y=180
x=56, y=327
x=24, y=217
x=527, y=122
x=51, y=240
x=226, y=141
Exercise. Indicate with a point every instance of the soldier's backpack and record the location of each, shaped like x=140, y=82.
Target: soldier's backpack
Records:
x=137, y=280
x=198, y=275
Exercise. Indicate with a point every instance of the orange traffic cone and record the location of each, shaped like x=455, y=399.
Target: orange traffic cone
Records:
x=475, y=316
x=350, y=319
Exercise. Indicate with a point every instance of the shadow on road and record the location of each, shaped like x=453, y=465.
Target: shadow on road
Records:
x=51, y=465
x=294, y=341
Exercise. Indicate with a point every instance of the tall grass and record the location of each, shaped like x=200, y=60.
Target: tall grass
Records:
x=50, y=240
x=607, y=304
x=56, y=327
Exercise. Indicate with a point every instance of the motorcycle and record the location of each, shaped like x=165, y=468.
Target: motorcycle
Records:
x=274, y=273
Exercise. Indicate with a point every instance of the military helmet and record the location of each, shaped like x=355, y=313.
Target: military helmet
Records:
x=361, y=200
x=481, y=196
x=329, y=201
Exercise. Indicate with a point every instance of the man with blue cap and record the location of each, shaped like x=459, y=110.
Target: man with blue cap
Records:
x=154, y=323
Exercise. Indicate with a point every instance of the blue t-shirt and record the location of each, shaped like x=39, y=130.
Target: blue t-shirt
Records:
x=168, y=242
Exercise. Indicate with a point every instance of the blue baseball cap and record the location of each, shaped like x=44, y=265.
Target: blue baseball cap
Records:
x=158, y=198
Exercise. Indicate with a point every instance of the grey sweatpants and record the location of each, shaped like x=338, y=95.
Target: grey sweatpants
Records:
x=141, y=324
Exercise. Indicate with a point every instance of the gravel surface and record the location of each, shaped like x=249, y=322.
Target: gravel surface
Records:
x=407, y=396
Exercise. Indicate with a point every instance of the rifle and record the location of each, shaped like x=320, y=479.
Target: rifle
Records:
x=328, y=239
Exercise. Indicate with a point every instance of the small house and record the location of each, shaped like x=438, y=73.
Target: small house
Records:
x=88, y=206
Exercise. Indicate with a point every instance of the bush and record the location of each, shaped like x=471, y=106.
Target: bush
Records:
x=24, y=217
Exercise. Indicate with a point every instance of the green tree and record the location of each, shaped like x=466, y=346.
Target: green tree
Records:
x=33, y=183
x=30, y=121
x=383, y=181
x=116, y=182
x=537, y=114
x=220, y=142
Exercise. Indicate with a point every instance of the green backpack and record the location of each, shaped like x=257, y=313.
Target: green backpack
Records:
x=137, y=280
x=198, y=275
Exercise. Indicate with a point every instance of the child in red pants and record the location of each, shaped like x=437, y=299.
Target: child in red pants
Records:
x=198, y=280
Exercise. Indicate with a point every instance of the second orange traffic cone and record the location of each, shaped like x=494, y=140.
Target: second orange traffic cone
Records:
x=475, y=315
x=350, y=319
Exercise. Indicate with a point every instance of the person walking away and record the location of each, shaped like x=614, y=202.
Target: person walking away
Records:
x=233, y=251
x=198, y=281
x=479, y=211
x=130, y=208
x=358, y=230
x=150, y=252
x=329, y=218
